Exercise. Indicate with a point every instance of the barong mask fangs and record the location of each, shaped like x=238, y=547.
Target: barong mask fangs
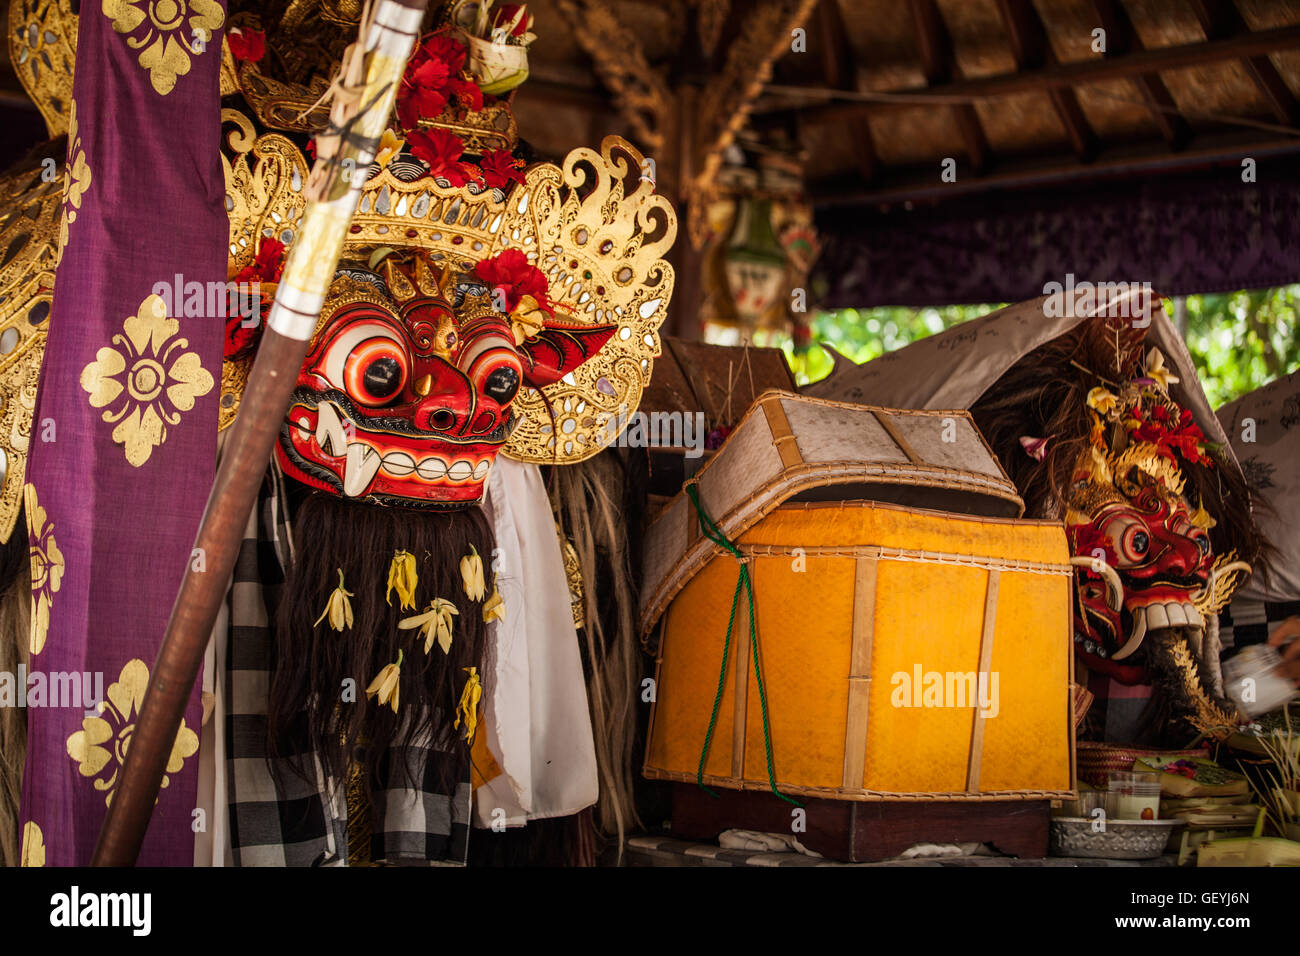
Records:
x=407, y=390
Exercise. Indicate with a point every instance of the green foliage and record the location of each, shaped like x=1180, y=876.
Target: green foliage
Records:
x=1238, y=340
x=1242, y=340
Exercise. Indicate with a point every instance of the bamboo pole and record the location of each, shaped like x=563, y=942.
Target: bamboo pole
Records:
x=363, y=101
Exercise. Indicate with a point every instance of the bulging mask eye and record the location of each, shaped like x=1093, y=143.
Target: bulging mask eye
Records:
x=368, y=362
x=501, y=384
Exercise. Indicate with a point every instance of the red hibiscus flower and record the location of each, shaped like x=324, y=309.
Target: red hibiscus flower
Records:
x=515, y=277
x=468, y=95
x=246, y=44
x=500, y=168
x=432, y=78
x=264, y=270
x=442, y=150
x=451, y=51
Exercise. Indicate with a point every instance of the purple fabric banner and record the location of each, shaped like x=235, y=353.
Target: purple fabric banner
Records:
x=1185, y=233
x=124, y=435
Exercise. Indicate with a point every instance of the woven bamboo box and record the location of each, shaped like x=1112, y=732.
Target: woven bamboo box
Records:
x=892, y=579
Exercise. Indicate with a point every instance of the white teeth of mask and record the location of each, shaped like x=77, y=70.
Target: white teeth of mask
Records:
x=1156, y=617
x=399, y=464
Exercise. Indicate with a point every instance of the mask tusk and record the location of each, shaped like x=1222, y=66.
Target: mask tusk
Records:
x=1139, y=632
x=1114, y=587
x=1205, y=598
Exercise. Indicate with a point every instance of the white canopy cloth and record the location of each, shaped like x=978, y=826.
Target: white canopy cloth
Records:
x=954, y=368
x=1271, y=459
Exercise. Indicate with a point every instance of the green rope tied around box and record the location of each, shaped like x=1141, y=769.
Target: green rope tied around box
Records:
x=743, y=583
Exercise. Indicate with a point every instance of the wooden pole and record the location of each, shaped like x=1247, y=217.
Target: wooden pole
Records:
x=388, y=40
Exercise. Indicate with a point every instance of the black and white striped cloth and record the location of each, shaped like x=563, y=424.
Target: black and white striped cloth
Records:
x=1245, y=621
x=278, y=818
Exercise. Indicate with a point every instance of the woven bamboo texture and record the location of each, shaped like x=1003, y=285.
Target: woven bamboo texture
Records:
x=838, y=620
x=1097, y=761
x=788, y=446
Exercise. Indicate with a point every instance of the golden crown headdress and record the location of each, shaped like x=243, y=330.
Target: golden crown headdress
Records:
x=595, y=227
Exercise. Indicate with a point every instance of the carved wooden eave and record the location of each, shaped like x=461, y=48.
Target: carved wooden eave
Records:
x=766, y=34
x=640, y=92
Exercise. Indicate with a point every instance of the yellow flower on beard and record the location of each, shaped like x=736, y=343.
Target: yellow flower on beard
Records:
x=338, y=608
x=435, y=622
x=471, y=573
x=494, y=608
x=387, y=683
x=403, y=578
x=467, y=709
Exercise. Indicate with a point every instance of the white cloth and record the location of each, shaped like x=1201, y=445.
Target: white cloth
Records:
x=953, y=368
x=535, y=698
x=1272, y=461
x=762, y=842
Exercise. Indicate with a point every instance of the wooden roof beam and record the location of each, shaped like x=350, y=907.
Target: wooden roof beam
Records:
x=1031, y=50
x=1121, y=40
x=917, y=184
x=1072, y=74
x=1220, y=18
x=935, y=46
x=839, y=71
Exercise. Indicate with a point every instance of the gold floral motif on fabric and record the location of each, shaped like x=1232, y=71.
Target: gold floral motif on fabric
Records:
x=167, y=33
x=47, y=567
x=145, y=379
x=100, y=747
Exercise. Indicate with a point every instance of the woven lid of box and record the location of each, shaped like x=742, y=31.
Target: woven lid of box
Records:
x=793, y=448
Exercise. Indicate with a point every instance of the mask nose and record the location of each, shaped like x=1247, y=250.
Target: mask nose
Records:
x=1183, y=555
x=444, y=401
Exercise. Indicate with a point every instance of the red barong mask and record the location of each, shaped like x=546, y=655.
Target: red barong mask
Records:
x=406, y=394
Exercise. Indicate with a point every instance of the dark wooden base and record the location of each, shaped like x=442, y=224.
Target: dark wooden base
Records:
x=859, y=832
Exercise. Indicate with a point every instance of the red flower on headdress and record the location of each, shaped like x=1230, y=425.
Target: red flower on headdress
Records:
x=1183, y=436
x=268, y=265
x=432, y=78
x=265, y=270
x=515, y=277
x=467, y=93
x=500, y=167
x=246, y=44
x=442, y=150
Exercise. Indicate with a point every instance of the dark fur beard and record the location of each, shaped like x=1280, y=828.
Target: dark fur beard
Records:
x=305, y=714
